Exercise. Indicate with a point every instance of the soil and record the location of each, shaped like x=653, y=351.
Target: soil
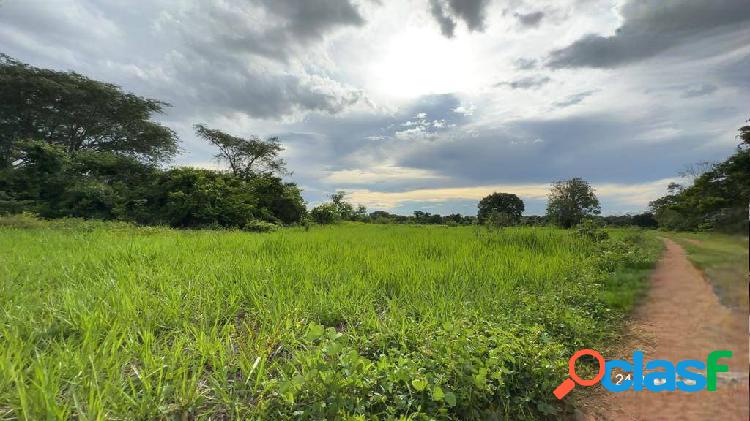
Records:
x=680, y=318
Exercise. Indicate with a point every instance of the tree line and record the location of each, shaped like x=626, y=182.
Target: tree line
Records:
x=71, y=146
x=717, y=199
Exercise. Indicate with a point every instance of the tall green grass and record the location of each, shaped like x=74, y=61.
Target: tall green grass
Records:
x=353, y=321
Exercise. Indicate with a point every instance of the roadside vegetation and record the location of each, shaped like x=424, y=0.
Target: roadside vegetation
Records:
x=724, y=260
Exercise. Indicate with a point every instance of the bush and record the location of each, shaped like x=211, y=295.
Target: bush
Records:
x=324, y=214
x=592, y=229
x=260, y=226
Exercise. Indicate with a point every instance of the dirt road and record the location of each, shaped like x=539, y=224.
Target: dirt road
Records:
x=681, y=318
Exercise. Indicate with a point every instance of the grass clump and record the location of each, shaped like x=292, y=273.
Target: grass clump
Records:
x=348, y=321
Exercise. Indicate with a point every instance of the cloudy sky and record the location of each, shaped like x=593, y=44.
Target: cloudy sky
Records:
x=425, y=104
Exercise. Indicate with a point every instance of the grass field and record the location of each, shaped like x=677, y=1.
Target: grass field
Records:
x=724, y=260
x=104, y=320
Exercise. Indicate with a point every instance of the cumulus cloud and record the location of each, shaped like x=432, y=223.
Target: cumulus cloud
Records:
x=651, y=27
x=448, y=12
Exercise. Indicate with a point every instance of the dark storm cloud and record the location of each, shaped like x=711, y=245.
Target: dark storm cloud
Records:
x=295, y=24
x=526, y=82
x=530, y=20
x=449, y=12
x=651, y=27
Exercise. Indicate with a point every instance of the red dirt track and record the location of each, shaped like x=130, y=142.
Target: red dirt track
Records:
x=681, y=318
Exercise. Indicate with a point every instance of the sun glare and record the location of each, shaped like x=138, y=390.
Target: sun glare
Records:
x=420, y=61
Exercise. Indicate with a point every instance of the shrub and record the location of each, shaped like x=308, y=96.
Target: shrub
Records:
x=324, y=214
x=260, y=226
x=592, y=229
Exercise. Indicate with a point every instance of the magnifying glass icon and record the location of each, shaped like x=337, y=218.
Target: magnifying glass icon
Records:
x=568, y=384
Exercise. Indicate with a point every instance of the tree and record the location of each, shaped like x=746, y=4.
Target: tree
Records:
x=717, y=199
x=570, y=201
x=78, y=113
x=502, y=203
x=344, y=209
x=278, y=200
x=324, y=214
x=246, y=157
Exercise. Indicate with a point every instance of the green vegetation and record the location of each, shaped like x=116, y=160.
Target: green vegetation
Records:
x=571, y=201
x=717, y=199
x=75, y=147
x=103, y=319
x=76, y=113
x=723, y=258
x=500, y=209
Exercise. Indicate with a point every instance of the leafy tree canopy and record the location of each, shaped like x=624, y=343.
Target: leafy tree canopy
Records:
x=506, y=204
x=570, y=201
x=246, y=157
x=717, y=199
x=78, y=113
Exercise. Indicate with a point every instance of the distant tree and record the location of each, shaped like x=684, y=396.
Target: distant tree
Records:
x=325, y=213
x=344, y=209
x=645, y=220
x=504, y=203
x=246, y=157
x=361, y=213
x=570, y=201
x=77, y=113
x=455, y=217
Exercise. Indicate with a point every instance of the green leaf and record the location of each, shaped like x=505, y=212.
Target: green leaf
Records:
x=450, y=399
x=480, y=379
x=419, y=385
x=437, y=394
x=314, y=331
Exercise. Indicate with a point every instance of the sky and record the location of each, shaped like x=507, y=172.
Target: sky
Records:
x=424, y=104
